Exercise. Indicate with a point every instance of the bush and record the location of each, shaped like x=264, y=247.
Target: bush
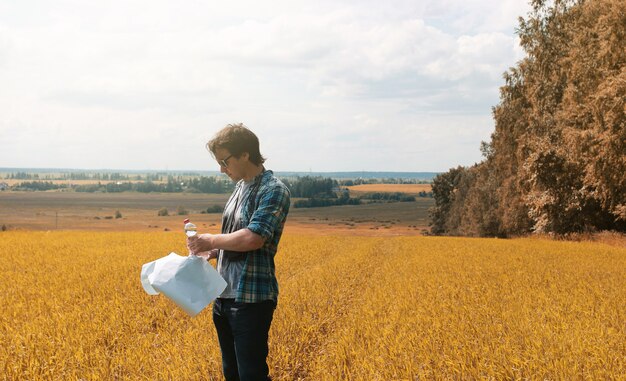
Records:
x=388, y=196
x=118, y=214
x=181, y=211
x=89, y=188
x=163, y=212
x=38, y=186
x=215, y=209
x=323, y=202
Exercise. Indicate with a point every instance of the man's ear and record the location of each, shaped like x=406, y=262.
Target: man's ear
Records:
x=245, y=156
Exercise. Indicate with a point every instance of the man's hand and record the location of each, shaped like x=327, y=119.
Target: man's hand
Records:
x=200, y=243
x=208, y=255
x=242, y=240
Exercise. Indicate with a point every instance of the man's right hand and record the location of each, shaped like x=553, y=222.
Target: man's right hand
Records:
x=208, y=255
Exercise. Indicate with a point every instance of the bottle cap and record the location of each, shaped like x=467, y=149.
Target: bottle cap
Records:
x=186, y=221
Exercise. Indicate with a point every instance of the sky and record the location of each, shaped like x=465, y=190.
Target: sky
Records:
x=399, y=86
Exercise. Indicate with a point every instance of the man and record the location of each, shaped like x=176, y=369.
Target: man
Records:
x=252, y=225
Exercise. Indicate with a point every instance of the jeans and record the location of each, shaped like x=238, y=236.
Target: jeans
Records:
x=242, y=330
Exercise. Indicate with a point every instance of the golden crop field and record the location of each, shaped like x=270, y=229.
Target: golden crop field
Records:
x=402, y=188
x=351, y=308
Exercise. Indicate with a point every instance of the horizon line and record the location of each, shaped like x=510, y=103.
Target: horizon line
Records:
x=49, y=169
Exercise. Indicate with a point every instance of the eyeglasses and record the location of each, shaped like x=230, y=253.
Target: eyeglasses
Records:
x=224, y=162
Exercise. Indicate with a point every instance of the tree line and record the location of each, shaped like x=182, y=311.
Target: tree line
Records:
x=106, y=176
x=318, y=191
x=388, y=180
x=312, y=191
x=556, y=162
x=202, y=184
x=312, y=187
x=389, y=196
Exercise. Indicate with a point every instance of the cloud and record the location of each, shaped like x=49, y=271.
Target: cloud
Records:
x=346, y=57
x=5, y=47
x=148, y=80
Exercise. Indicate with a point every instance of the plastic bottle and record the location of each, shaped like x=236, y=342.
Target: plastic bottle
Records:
x=190, y=228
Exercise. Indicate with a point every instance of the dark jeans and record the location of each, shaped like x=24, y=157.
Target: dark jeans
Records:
x=242, y=330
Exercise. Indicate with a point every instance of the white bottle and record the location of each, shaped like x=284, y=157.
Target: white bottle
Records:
x=190, y=229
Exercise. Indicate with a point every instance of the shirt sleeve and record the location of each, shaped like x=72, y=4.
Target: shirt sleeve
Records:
x=271, y=211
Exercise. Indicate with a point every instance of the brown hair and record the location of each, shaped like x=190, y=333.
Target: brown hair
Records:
x=237, y=139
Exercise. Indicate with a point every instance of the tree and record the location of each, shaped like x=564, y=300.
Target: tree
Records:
x=445, y=189
x=556, y=161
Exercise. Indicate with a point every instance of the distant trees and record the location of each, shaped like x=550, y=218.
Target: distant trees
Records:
x=556, y=161
x=389, y=180
x=312, y=187
x=388, y=196
x=202, y=184
x=21, y=176
x=318, y=192
x=205, y=184
x=344, y=199
x=38, y=186
x=215, y=208
x=121, y=182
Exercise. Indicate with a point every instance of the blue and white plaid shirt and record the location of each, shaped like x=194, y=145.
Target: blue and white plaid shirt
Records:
x=265, y=217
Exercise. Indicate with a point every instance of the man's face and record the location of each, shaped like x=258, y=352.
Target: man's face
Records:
x=234, y=167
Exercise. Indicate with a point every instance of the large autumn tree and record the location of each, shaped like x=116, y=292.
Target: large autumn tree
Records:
x=556, y=161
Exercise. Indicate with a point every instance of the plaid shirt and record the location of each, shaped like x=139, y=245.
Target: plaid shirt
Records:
x=266, y=217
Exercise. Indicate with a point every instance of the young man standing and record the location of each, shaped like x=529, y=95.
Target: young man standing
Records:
x=252, y=225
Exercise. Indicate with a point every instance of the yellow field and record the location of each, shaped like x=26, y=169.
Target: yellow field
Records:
x=402, y=188
x=351, y=308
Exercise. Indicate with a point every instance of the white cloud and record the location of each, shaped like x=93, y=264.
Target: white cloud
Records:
x=335, y=85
